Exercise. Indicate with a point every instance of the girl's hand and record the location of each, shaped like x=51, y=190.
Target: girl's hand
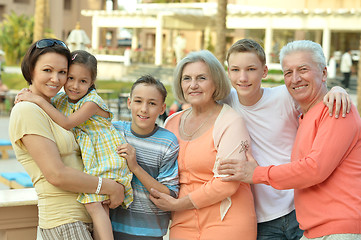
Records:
x=26, y=95
x=30, y=97
x=128, y=152
x=22, y=91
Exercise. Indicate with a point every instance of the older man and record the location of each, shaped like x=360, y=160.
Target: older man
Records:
x=325, y=168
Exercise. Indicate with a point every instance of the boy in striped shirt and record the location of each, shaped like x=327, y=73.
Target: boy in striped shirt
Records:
x=151, y=154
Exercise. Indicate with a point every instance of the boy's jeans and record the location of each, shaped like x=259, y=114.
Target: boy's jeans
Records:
x=283, y=228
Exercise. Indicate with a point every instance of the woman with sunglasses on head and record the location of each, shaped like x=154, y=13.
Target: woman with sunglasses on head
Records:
x=81, y=110
x=49, y=153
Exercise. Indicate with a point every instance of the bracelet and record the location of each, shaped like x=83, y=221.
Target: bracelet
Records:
x=100, y=181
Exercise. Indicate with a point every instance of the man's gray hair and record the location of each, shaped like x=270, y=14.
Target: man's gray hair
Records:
x=305, y=45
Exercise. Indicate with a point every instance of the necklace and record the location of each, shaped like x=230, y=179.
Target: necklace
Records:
x=200, y=126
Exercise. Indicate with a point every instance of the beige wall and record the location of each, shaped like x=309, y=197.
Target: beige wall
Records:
x=61, y=20
x=24, y=7
x=72, y=16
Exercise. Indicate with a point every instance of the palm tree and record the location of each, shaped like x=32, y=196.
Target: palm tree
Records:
x=221, y=30
x=16, y=34
x=40, y=18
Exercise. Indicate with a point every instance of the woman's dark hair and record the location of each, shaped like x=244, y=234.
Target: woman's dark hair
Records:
x=89, y=61
x=33, y=54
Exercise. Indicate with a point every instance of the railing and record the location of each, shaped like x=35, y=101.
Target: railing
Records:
x=6, y=106
x=115, y=58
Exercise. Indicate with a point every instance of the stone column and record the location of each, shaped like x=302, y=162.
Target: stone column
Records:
x=326, y=42
x=159, y=41
x=135, y=38
x=268, y=43
x=95, y=34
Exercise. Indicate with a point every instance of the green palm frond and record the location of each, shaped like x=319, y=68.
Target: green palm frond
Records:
x=16, y=34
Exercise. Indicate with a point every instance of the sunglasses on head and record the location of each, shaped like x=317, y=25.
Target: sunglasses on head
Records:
x=44, y=43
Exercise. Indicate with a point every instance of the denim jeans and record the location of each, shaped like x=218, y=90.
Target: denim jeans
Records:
x=283, y=228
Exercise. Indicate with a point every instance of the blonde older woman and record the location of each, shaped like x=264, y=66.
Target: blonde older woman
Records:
x=207, y=207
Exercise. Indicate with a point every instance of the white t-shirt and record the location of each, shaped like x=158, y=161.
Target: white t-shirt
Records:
x=332, y=68
x=346, y=63
x=272, y=124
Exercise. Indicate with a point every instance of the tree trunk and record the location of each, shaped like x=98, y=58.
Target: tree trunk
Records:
x=39, y=19
x=359, y=84
x=221, y=30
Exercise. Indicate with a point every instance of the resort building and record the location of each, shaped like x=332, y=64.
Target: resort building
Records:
x=153, y=27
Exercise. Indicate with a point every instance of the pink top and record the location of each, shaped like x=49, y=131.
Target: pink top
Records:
x=196, y=160
x=325, y=171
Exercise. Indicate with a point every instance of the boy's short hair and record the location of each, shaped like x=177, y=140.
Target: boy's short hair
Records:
x=219, y=76
x=150, y=80
x=247, y=45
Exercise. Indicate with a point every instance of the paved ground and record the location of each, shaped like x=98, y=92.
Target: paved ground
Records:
x=11, y=164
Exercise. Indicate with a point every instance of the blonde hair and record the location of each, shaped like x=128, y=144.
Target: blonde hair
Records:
x=248, y=45
x=219, y=76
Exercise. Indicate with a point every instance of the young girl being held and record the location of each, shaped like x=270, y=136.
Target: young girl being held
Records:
x=84, y=112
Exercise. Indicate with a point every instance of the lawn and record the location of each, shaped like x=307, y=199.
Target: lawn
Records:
x=17, y=82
